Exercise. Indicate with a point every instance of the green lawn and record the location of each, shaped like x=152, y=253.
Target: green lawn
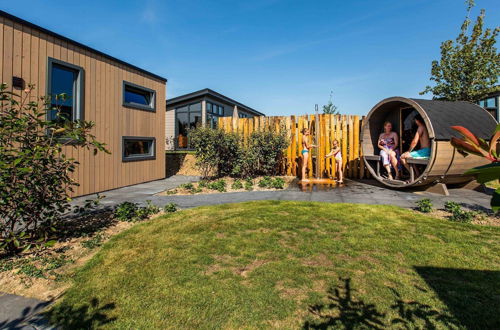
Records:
x=290, y=265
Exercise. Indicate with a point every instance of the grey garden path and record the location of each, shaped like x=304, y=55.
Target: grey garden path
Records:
x=14, y=310
x=367, y=192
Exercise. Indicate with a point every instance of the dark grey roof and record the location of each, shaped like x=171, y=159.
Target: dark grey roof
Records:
x=444, y=114
x=76, y=43
x=207, y=91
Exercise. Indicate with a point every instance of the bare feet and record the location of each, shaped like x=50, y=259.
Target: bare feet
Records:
x=389, y=176
x=304, y=180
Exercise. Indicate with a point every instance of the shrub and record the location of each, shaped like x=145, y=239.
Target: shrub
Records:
x=172, y=192
x=170, y=208
x=248, y=184
x=265, y=151
x=93, y=242
x=460, y=215
x=203, y=184
x=219, y=185
x=451, y=206
x=187, y=186
x=265, y=182
x=278, y=183
x=424, y=205
x=128, y=211
x=35, y=173
x=237, y=184
x=221, y=153
x=216, y=151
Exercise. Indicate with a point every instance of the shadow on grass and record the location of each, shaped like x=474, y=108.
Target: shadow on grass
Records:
x=472, y=296
x=85, y=316
x=343, y=311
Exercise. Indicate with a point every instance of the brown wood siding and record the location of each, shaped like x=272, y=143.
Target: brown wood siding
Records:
x=25, y=52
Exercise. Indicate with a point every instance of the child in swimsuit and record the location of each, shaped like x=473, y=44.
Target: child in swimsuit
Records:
x=337, y=154
x=305, y=152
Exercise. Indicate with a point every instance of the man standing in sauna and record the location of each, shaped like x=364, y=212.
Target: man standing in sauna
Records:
x=422, y=137
x=388, y=143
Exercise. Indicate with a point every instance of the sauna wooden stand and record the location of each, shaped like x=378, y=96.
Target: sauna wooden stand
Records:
x=445, y=165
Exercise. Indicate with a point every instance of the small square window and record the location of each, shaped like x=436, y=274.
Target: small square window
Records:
x=138, y=148
x=138, y=97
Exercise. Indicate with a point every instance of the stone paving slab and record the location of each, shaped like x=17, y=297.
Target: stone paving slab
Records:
x=18, y=312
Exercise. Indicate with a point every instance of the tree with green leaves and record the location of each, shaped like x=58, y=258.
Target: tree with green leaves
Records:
x=469, y=66
x=35, y=172
x=330, y=108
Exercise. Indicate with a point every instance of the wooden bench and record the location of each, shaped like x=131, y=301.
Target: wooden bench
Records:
x=415, y=161
x=376, y=158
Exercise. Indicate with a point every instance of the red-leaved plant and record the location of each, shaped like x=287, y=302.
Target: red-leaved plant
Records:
x=471, y=144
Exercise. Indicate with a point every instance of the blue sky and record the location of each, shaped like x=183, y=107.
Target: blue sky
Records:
x=278, y=56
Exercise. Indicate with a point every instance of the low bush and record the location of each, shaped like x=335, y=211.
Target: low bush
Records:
x=172, y=192
x=219, y=185
x=460, y=215
x=278, y=183
x=452, y=207
x=237, y=184
x=424, y=205
x=128, y=211
x=272, y=183
x=265, y=182
x=248, y=184
x=93, y=242
x=187, y=186
x=170, y=208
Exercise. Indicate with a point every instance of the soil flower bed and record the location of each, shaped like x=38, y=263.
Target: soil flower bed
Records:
x=228, y=184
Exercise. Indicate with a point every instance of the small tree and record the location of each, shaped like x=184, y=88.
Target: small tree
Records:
x=470, y=66
x=330, y=108
x=35, y=174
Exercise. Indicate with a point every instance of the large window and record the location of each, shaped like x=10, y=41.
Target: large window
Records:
x=138, y=97
x=65, y=88
x=214, y=111
x=138, y=148
x=491, y=105
x=187, y=117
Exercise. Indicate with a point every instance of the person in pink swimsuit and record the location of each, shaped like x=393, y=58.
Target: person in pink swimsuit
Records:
x=388, y=143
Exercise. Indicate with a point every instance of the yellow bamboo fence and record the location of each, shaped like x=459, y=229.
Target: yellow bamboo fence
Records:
x=344, y=128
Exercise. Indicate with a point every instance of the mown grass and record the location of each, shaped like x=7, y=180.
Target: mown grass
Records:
x=290, y=265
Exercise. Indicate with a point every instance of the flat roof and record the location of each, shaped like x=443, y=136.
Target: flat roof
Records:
x=56, y=35
x=213, y=94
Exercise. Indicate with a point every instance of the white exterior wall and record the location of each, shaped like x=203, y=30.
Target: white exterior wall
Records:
x=170, y=130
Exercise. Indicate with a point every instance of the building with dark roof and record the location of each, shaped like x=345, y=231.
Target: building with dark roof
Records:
x=125, y=102
x=203, y=107
x=491, y=103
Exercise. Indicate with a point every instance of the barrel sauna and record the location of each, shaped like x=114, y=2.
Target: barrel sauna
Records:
x=445, y=164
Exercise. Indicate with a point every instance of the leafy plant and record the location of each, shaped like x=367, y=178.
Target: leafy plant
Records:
x=278, y=183
x=126, y=211
x=469, y=67
x=172, y=192
x=424, y=205
x=248, y=184
x=170, y=208
x=237, y=184
x=265, y=182
x=471, y=144
x=219, y=185
x=31, y=270
x=35, y=173
x=451, y=206
x=264, y=153
x=460, y=215
x=93, y=242
x=187, y=186
x=88, y=206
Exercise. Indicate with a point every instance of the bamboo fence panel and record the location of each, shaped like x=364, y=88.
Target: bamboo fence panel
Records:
x=344, y=128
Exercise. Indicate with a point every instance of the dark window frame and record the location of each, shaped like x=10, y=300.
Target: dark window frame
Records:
x=79, y=87
x=188, y=105
x=150, y=156
x=152, y=105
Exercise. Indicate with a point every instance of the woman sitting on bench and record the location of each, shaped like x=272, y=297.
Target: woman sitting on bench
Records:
x=388, y=143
